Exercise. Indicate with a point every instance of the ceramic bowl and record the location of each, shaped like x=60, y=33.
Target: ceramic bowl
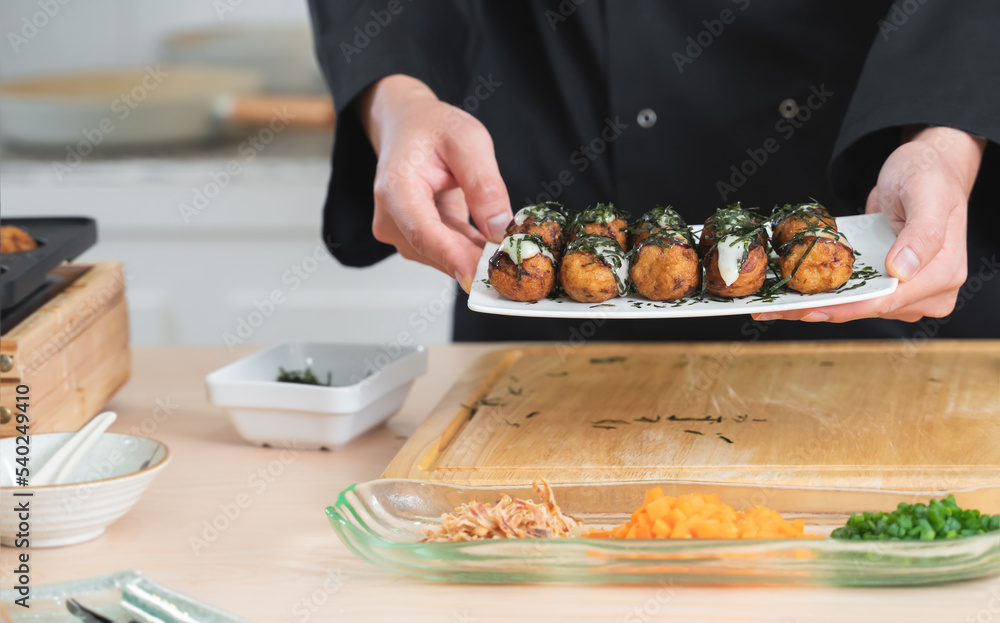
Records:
x=368, y=383
x=102, y=487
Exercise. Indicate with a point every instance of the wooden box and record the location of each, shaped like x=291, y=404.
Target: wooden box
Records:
x=73, y=352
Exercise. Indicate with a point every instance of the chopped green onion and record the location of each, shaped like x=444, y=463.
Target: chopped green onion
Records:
x=939, y=519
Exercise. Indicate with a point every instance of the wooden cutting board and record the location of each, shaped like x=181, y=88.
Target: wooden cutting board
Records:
x=894, y=415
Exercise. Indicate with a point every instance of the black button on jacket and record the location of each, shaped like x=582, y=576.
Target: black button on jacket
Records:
x=693, y=103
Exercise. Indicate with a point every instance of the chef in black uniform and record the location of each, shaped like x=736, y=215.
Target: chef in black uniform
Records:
x=454, y=109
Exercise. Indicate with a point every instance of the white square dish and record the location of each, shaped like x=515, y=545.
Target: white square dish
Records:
x=368, y=384
x=869, y=234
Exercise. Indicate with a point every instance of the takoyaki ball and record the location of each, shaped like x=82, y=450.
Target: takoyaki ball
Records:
x=523, y=268
x=664, y=268
x=807, y=218
x=545, y=220
x=729, y=220
x=593, y=269
x=655, y=221
x=602, y=220
x=726, y=276
x=827, y=265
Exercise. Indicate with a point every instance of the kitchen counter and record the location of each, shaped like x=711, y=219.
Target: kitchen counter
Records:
x=277, y=559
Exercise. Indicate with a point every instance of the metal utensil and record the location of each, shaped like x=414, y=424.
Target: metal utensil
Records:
x=85, y=614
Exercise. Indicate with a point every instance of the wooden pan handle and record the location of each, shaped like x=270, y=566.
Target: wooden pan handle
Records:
x=300, y=112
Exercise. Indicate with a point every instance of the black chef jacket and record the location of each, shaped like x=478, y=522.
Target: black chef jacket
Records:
x=692, y=103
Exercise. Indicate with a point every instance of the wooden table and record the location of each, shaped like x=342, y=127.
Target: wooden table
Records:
x=278, y=560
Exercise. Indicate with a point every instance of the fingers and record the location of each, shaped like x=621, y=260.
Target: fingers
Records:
x=927, y=204
x=469, y=155
x=455, y=214
x=407, y=217
x=872, y=204
x=873, y=308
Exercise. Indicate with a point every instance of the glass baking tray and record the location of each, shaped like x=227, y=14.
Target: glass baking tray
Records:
x=382, y=521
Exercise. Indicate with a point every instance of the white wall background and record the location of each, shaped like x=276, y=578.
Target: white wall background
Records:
x=195, y=282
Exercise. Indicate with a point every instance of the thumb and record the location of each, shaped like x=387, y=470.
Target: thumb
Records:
x=470, y=158
x=926, y=213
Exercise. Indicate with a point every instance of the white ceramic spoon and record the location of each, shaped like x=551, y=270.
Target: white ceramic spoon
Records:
x=57, y=469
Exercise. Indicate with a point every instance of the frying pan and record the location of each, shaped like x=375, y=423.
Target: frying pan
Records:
x=159, y=104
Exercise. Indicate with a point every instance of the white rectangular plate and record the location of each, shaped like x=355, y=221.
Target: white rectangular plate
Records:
x=869, y=234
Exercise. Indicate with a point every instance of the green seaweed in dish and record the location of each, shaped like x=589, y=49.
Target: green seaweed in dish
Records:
x=303, y=377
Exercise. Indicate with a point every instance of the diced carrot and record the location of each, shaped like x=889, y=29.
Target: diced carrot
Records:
x=644, y=520
x=661, y=529
x=681, y=530
x=708, y=529
x=657, y=508
x=684, y=505
x=653, y=494
x=704, y=516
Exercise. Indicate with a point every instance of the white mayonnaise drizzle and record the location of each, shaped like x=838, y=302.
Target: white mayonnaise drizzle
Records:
x=518, y=248
x=608, y=251
x=731, y=250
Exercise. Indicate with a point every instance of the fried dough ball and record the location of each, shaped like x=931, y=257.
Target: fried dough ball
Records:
x=655, y=221
x=806, y=218
x=14, y=240
x=665, y=268
x=545, y=220
x=729, y=220
x=752, y=271
x=593, y=269
x=523, y=268
x=602, y=220
x=827, y=265
x=617, y=230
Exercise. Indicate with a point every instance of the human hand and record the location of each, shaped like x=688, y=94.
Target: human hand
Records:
x=923, y=190
x=436, y=166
